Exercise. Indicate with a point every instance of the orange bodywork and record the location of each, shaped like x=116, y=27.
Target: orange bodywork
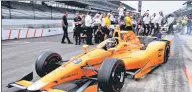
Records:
x=128, y=50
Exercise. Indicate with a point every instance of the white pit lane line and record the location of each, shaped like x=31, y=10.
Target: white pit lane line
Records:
x=16, y=43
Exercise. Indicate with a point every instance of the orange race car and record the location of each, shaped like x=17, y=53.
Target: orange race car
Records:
x=103, y=67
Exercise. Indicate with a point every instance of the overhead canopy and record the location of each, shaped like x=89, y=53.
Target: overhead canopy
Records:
x=188, y=2
x=74, y=3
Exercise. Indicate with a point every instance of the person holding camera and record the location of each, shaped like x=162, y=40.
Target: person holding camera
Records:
x=77, y=22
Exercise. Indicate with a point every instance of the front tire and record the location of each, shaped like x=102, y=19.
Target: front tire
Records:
x=47, y=62
x=111, y=75
x=166, y=53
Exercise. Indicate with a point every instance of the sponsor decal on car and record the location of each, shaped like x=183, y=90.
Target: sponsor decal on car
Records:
x=70, y=75
x=160, y=52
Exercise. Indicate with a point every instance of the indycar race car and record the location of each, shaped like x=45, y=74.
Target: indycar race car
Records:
x=103, y=68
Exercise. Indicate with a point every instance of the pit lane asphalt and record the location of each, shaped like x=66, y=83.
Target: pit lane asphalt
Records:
x=18, y=59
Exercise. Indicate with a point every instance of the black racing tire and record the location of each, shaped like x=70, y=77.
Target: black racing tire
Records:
x=111, y=75
x=47, y=62
x=166, y=52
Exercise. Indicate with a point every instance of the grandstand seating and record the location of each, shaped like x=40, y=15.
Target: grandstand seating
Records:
x=21, y=10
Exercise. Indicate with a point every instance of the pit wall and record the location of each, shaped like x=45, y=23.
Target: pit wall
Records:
x=30, y=33
x=16, y=28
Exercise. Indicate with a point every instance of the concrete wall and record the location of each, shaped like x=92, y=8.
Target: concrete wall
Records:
x=30, y=33
x=28, y=21
x=16, y=28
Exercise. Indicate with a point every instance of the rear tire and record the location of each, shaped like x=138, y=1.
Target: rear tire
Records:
x=47, y=62
x=111, y=75
x=166, y=53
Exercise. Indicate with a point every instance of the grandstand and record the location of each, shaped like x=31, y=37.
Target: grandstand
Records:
x=185, y=10
x=54, y=9
x=48, y=14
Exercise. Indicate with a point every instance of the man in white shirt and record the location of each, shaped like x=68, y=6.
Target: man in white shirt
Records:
x=170, y=21
x=97, y=19
x=152, y=23
x=121, y=10
x=88, y=24
x=111, y=17
x=146, y=21
x=157, y=21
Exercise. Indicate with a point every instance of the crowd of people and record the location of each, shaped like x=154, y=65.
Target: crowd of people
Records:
x=185, y=22
x=89, y=27
x=151, y=25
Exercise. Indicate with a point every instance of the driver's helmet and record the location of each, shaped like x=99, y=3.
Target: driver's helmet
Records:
x=111, y=43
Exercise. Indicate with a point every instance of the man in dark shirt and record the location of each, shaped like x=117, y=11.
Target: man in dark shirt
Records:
x=77, y=22
x=65, y=27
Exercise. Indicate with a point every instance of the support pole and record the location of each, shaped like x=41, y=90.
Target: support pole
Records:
x=51, y=12
x=10, y=10
x=33, y=9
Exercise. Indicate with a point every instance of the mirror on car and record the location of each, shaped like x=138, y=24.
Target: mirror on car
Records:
x=85, y=47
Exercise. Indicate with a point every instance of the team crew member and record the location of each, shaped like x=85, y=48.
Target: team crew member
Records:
x=88, y=24
x=112, y=17
x=122, y=23
x=107, y=23
x=134, y=21
x=121, y=11
x=107, y=20
x=170, y=21
x=99, y=34
x=128, y=21
x=152, y=23
x=97, y=22
x=158, y=20
x=65, y=27
x=83, y=29
x=146, y=20
x=77, y=22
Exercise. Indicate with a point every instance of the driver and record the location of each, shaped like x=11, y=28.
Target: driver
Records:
x=111, y=43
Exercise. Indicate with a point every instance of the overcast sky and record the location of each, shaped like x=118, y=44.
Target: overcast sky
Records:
x=156, y=6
